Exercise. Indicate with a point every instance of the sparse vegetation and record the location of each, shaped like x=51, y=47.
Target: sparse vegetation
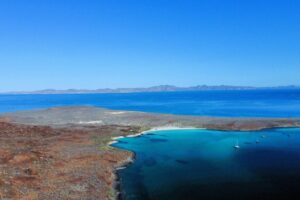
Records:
x=40, y=162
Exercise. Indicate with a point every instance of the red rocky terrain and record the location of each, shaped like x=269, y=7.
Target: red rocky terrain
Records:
x=40, y=162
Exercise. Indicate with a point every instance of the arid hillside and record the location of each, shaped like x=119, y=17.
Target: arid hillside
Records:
x=40, y=162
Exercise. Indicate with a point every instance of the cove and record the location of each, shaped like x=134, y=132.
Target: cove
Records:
x=203, y=164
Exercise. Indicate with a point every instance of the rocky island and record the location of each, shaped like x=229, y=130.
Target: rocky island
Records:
x=63, y=152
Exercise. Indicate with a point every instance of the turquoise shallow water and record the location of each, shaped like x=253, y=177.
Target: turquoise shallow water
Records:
x=202, y=164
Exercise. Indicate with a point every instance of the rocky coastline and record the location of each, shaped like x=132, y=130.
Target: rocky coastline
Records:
x=60, y=153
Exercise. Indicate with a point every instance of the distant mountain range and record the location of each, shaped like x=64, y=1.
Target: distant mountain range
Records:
x=160, y=88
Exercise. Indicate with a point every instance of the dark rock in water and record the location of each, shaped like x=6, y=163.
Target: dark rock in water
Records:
x=182, y=162
x=142, y=136
x=139, y=136
x=150, y=162
x=150, y=134
x=158, y=140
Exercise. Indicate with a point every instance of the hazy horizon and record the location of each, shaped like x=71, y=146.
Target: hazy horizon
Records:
x=199, y=85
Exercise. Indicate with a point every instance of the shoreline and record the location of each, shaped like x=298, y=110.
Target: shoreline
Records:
x=115, y=139
x=70, y=152
x=117, y=184
x=114, y=126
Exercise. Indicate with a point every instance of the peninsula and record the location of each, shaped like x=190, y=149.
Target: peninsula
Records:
x=63, y=152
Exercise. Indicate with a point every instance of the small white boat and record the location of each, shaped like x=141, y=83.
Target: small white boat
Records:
x=236, y=146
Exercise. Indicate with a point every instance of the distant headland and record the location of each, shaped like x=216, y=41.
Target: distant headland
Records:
x=159, y=88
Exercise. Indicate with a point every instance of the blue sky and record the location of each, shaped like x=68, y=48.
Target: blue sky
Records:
x=131, y=43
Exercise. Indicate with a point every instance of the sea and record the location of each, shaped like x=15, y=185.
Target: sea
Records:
x=200, y=164
x=226, y=103
x=194, y=164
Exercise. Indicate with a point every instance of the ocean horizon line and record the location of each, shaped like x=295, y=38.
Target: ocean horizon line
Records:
x=158, y=88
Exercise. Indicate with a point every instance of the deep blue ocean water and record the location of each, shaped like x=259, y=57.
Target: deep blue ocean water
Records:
x=238, y=103
x=202, y=164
